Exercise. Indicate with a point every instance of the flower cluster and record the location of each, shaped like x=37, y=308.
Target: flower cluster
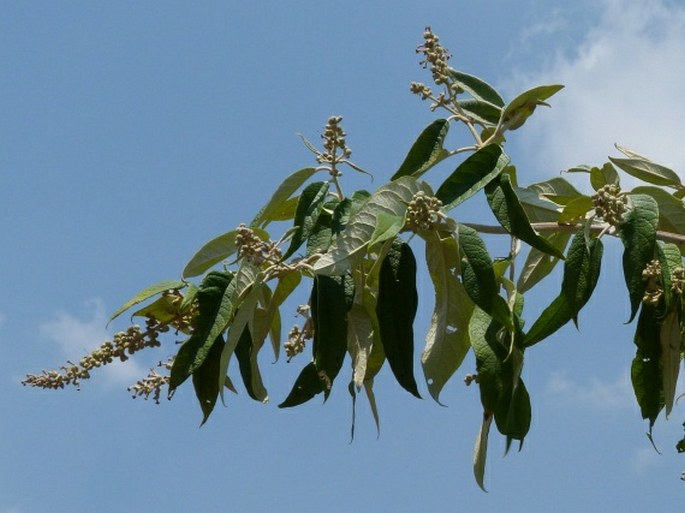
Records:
x=423, y=212
x=184, y=320
x=435, y=56
x=333, y=140
x=254, y=249
x=124, y=344
x=151, y=385
x=678, y=281
x=297, y=336
x=610, y=204
x=652, y=275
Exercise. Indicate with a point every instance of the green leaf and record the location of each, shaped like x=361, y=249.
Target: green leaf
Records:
x=671, y=209
x=581, y=272
x=322, y=233
x=330, y=302
x=426, y=151
x=163, y=309
x=575, y=210
x=638, y=232
x=606, y=175
x=216, y=250
x=205, y=379
x=646, y=367
x=510, y=213
x=392, y=198
x=538, y=209
x=644, y=169
x=476, y=87
x=481, y=112
x=195, y=350
x=538, y=265
x=481, y=450
x=147, y=293
x=479, y=277
x=287, y=283
x=396, y=310
x=670, y=339
x=556, y=315
x=522, y=107
x=471, y=176
x=388, y=225
x=447, y=341
x=309, y=208
x=271, y=211
x=513, y=415
x=246, y=354
x=307, y=385
x=359, y=342
x=670, y=259
x=557, y=189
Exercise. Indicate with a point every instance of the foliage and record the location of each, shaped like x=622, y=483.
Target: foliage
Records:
x=357, y=254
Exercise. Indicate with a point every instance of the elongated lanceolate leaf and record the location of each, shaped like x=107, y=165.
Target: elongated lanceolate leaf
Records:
x=646, y=367
x=638, y=232
x=309, y=208
x=671, y=209
x=396, y=309
x=522, y=107
x=359, y=342
x=472, y=175
x=205, y=379
x=581, y=272
x=281, y=196
x=644, y=169
x=215, y=251
x=481, y=112
x=510, y=213
x=538, y=265
x=670, y=339
x=330, y=302
x=194, y=351
x=246, y=353
x=480, y=451
x=147, y=293
x=307, y=385
x=391, y=199
x=426, y=151
x=447, y=341
x=479, y=277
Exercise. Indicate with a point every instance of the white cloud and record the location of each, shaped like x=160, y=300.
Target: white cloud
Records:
x=624, y=84
x=76, y=337
x=595, y=393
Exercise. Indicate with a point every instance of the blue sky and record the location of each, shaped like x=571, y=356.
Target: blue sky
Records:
x=133, y=132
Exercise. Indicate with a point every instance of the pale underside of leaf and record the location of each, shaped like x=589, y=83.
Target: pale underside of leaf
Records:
x=447, y=341
x=391, y=199
x=359, y=341
x=481, y=450
x=671, y=339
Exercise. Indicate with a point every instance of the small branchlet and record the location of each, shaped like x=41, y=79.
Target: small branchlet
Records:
x=610, y=204
x=152, y=384
x=297, y=337
x=423, y=212
x=124, y=344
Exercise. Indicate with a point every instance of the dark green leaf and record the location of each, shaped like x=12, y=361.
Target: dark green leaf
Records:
x=396, y=309
x=193, y=352
x=307, y=385
x=322, y=233
x=309, y=208
x=206, y=379
x=556, y=315
x=510, y=213
x=479, y=277
x=522, y=107
x=638, y=232
x=581, y=271
x=646, y=367
x=671, y=209
x=246, y=354
x=426, y=151
x=472, y=175
x=476, y=87
x=481, y=112
x=330, y=302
